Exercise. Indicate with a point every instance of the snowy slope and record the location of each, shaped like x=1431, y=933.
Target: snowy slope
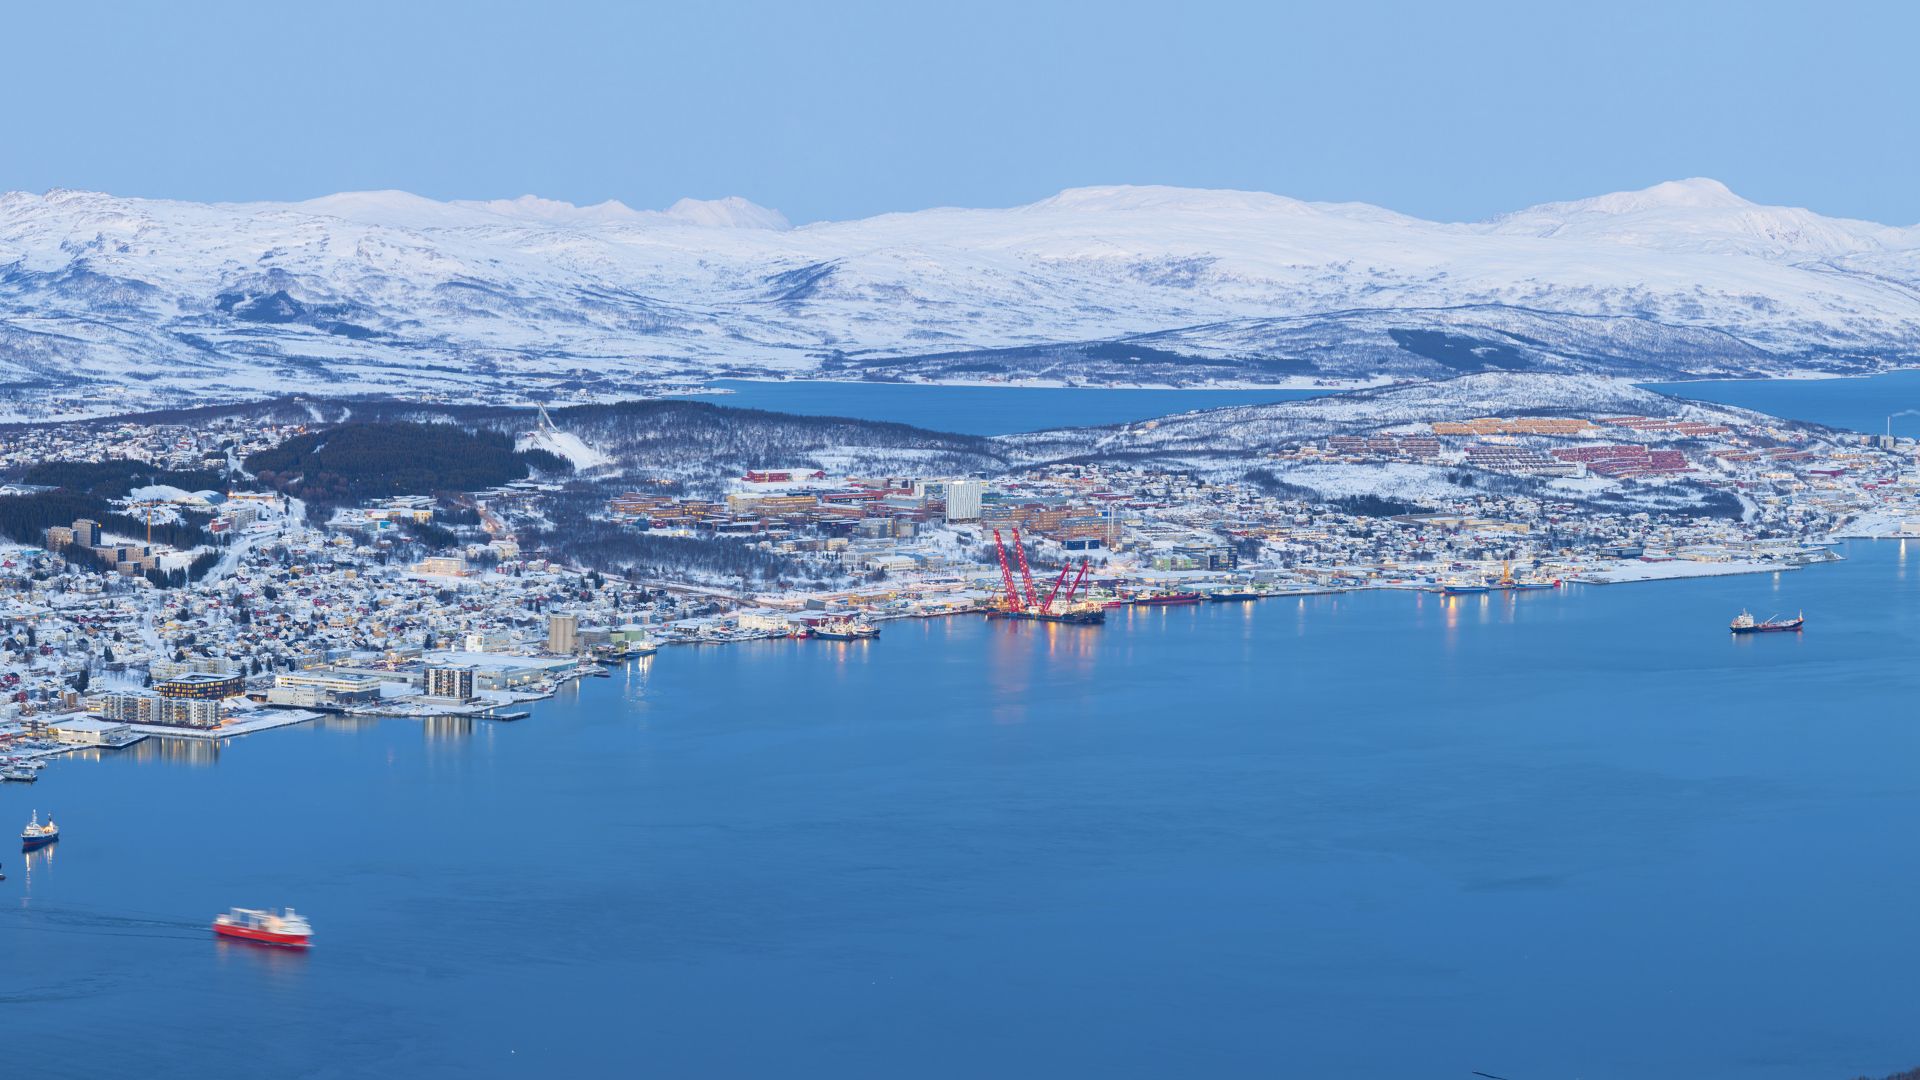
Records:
x=1249, y=430
x=386, y=291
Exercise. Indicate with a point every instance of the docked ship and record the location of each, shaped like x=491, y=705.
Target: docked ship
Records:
x=845, y=630
x=1167, y=598
x=1087, y=615
x=1228, y=596
x=1744, y=623
x=265, y=927
x=18, y=774
x=1530, y=585
x=1461, y=588
x=619, y=652
x=37, y=835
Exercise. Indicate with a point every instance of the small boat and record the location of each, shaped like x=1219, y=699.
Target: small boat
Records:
x=845, y=630
x=1744, y=623
x=36, y=835
x=288, y=930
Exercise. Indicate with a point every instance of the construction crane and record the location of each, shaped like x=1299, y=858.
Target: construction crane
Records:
x=1006, y=574
x=1026, y=576
x=1030, y=606
x=1071, y=589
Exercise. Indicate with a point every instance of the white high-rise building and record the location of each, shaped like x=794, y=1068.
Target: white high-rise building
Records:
x=963, y=499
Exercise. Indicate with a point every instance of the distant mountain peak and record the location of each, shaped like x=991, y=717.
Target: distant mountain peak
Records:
x=732, y=212
x=1693, y=193
x=1131, y=197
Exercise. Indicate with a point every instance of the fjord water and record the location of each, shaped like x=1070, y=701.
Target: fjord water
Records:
x=1860, y=404
x=1870, y=404
x=982, y=410
x=1584, y=833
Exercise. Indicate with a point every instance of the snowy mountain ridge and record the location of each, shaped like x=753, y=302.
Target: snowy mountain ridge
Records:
x=109, y=301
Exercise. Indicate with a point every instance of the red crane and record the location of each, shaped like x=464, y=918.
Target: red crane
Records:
x=1047, y=605
x=1026, y=576
x=1085, y=564
x=1006, y=573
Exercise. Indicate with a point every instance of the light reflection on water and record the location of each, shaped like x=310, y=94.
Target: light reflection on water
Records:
x=194, y=752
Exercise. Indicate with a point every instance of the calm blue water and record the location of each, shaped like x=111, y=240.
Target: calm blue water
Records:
x=1557, y=835
x=1859, y=404
x=982, y=410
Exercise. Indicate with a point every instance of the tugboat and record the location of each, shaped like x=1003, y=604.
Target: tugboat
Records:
x=845, y=630
x=36, y=835
x=265, y=927
x=1744, y=623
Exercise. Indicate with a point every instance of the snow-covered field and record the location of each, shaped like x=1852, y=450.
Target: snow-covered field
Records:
x=1672, y=570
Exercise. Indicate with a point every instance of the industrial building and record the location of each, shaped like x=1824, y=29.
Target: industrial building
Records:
x=323, y=689
x=563, y=634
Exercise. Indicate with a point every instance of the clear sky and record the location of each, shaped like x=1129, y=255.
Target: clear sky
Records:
x=1445, y=110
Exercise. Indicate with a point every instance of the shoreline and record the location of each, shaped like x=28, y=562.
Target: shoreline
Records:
x=270, y=718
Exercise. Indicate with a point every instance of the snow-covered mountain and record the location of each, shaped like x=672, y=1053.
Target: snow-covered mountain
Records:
x=108, y=301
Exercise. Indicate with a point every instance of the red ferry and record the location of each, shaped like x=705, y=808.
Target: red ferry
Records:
x=268, y=928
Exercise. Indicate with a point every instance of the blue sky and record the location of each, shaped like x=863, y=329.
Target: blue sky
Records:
x=1453, y=111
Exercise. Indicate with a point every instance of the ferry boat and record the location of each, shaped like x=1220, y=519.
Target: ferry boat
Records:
x=1228, y=596
x=1744, y=623
x=266, y=927
x=845, y=630
x=36, y=835
x=1164, y=599
x=18, y=774
x=1462, y=589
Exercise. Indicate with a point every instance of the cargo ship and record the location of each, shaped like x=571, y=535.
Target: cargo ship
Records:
x=1462, y=589
x=1530, y=585
x=36, y=835
x=1164, y=599
x=845, y=630
x=1744, y=623
x=1228, y=596
x=265, y=927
